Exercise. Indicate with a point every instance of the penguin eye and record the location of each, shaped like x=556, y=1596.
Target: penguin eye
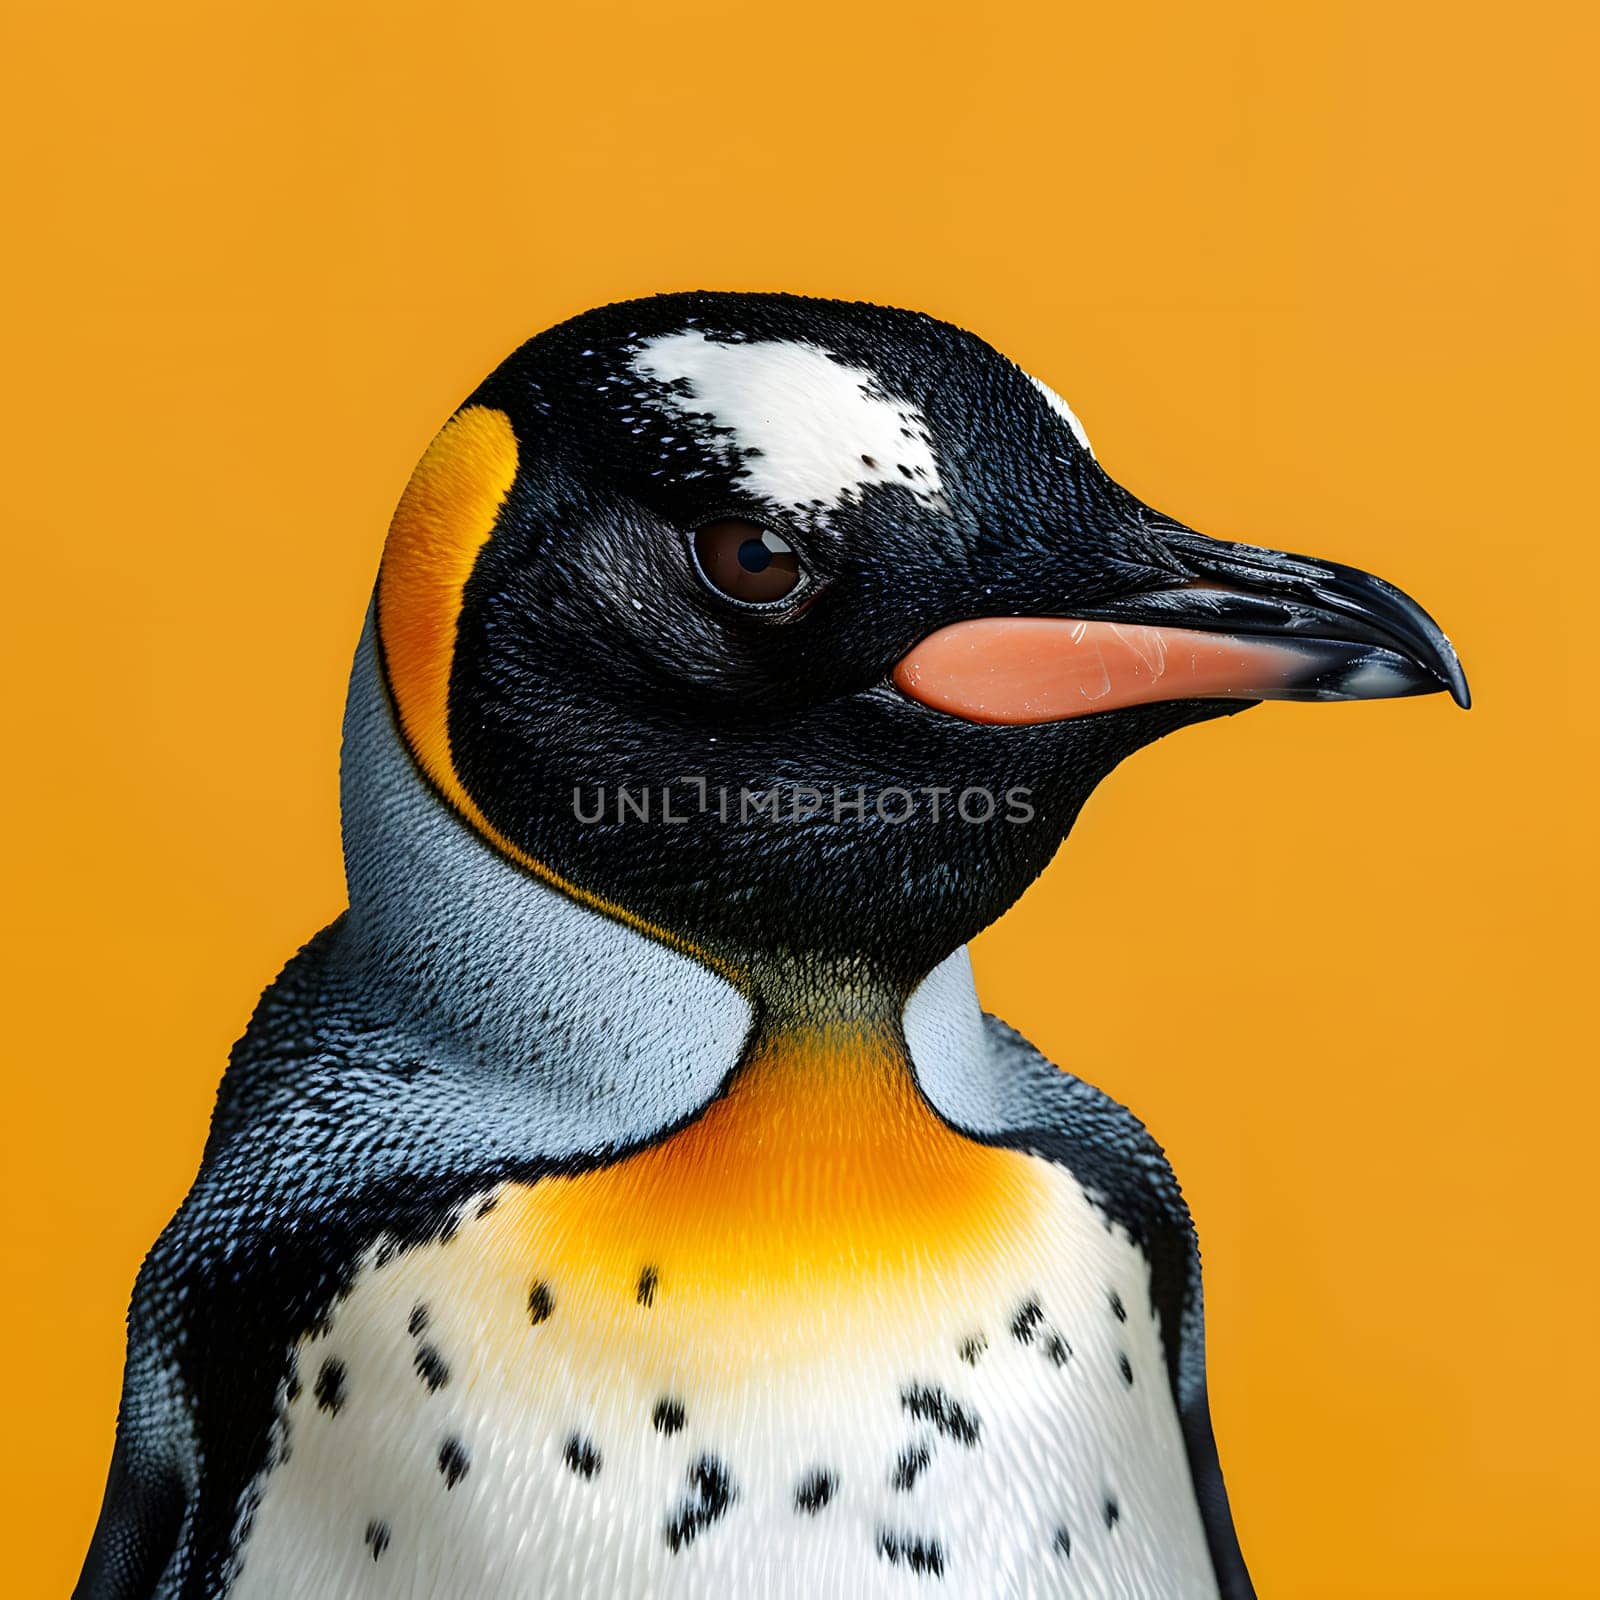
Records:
x=745, y=562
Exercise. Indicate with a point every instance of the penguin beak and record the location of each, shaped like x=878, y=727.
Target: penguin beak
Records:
x=1244, y=624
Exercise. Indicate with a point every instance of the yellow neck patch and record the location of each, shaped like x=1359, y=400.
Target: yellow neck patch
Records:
x=819, y=1185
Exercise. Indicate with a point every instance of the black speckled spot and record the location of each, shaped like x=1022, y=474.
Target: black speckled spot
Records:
x=648, y=1281
x=377, y=1538
x=814, y=1491
x=581, y=1456
x=418, y=1323
x=972, y=1348
x=1125, y=1367
x=926, y=1403
x=291, y=1391
x=1111, y=1511
x=911, y=1465
x=1057, y=1351
x=668, y=1416
x=431, y=1367
x=540, y=1302
x=331, y=1388
x=454, y=1462
x=923, y=1556
x=1026, y=1322
x=711, y=1492
x=1062, y=1543
x=486, y=1205
x=1118, y=1310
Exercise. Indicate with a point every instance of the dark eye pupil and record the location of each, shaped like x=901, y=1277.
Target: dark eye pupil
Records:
x=744, y=561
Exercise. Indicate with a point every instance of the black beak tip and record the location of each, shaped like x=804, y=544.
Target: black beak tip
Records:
x=1453, y=678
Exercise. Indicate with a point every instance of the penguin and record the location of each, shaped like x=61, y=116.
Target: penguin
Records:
x=628, y=1195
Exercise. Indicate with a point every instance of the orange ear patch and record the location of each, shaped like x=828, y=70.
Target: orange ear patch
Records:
x=443, y=521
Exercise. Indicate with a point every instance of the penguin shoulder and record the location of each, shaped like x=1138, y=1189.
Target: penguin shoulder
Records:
x=992, y=1084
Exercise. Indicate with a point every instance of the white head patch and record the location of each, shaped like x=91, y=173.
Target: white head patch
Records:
x=1062, y=410
x=803, y=429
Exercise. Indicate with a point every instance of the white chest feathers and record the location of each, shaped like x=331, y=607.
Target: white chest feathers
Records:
x=658, y=1380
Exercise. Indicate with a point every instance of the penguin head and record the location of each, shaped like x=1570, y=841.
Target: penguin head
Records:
x=794, y=631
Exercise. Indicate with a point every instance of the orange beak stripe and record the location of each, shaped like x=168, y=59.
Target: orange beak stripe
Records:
x=1046, y=669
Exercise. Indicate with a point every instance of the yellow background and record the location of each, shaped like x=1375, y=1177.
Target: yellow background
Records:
x=1318, y=276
